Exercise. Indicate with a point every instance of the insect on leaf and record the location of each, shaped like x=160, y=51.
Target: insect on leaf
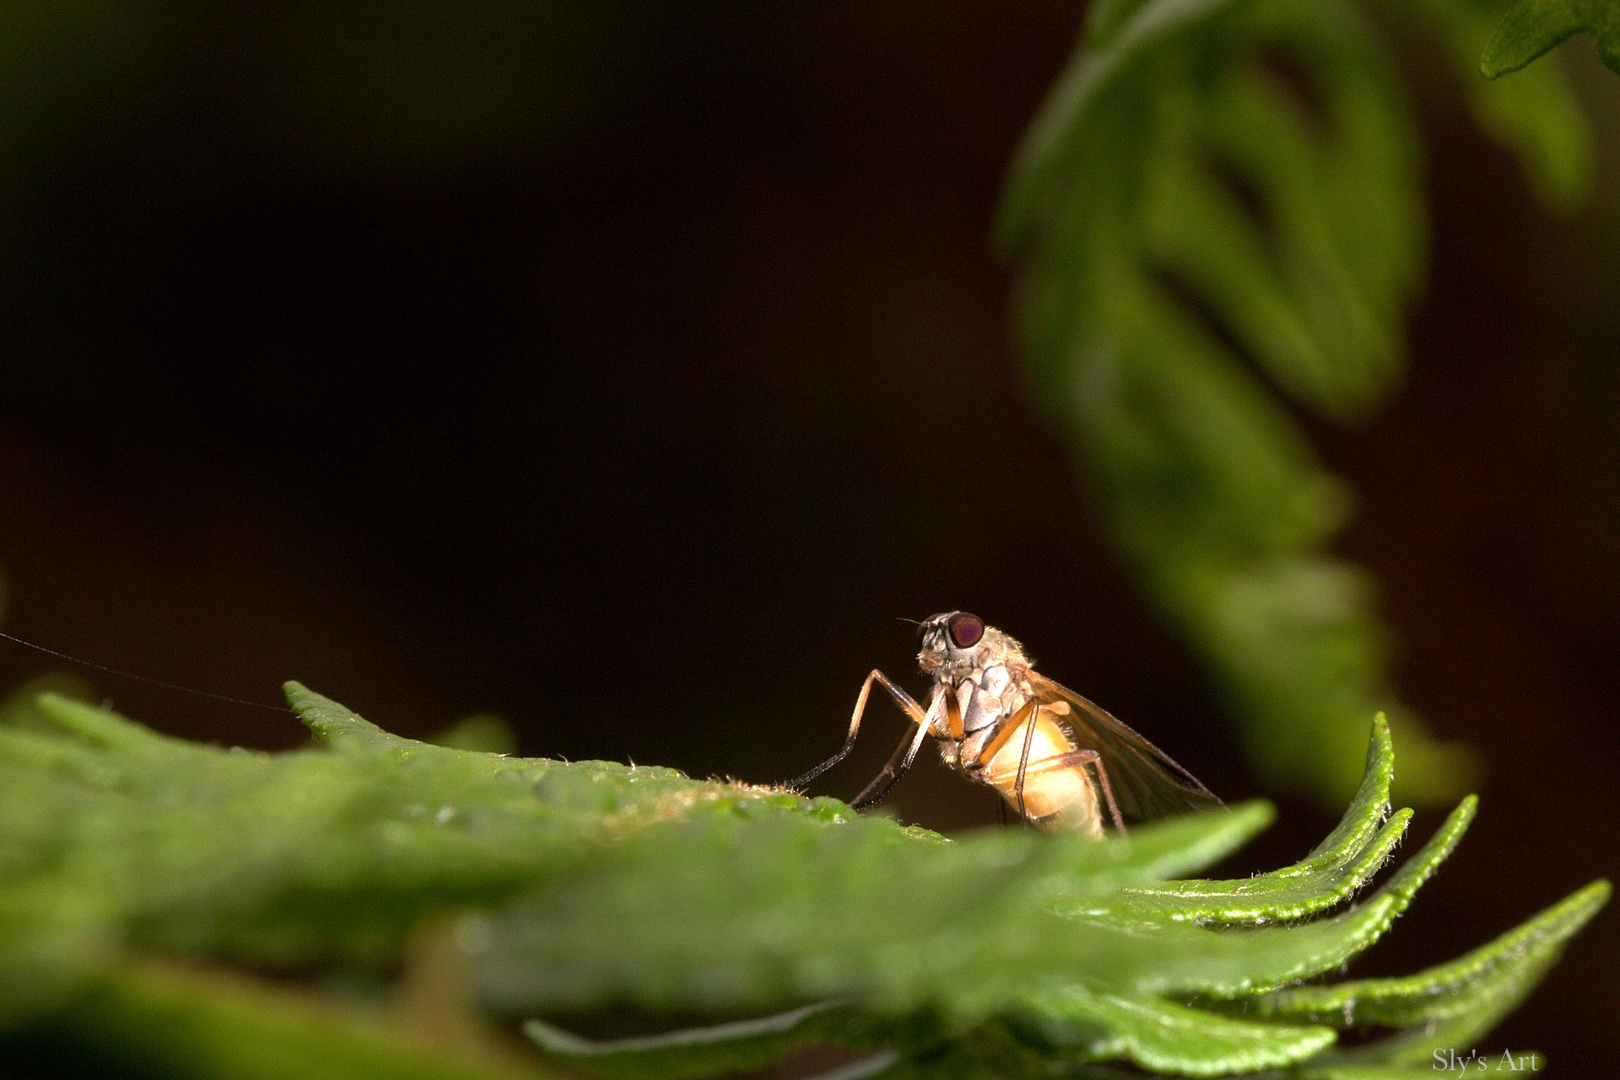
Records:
x=150, y=883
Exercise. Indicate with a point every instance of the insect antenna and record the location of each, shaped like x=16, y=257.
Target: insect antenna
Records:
x=144, y=678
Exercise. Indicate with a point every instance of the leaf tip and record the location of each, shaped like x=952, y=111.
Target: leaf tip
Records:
x=1596, y=894
x=1493, y=66
x=1527, y=32
x=100, y=726
x=330, y=723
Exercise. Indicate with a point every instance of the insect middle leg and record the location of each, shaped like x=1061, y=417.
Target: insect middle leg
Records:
x=906, y=702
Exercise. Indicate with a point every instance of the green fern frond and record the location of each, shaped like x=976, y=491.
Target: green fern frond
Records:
x=1188, y=205
x=127, y=858
x=1220, y=203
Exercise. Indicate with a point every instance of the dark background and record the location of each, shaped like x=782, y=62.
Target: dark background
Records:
x=629, y=370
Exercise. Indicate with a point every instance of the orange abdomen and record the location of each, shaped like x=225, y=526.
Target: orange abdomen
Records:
x=1049, y=788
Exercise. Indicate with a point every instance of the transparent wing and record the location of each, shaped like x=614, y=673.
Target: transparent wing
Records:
x=1147, y=782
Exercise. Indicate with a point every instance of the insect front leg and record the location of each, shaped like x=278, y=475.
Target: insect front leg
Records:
x=899, y=762
x=906, y=702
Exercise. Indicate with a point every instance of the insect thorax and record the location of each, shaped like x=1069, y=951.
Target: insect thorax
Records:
x=989, y=694
x=986, y=698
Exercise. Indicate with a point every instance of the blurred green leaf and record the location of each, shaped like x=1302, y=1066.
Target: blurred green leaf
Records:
x=1209, y=184
x=166, y=1020
x=1221, y=199
x=483, y=732
x=1535, y=26
x=713, y=1050
x=567, y=889
x=20, y=709
x=1535, y=116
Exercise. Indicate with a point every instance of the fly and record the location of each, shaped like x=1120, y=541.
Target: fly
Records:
x=1056, y=758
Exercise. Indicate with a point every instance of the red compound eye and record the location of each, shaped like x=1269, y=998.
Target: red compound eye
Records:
x=966, y=630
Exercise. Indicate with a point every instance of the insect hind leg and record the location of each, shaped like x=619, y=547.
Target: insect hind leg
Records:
x=1083, y=758
x=905, y=701
x=1023, y=761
